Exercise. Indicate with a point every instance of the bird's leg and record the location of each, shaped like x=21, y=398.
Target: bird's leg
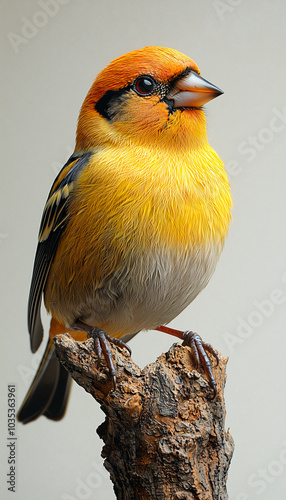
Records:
x=199, y=351
x=101, y=345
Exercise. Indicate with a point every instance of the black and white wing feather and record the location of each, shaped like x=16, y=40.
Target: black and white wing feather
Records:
x=53, y=224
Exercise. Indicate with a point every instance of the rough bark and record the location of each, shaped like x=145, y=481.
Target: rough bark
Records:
x=164, y=436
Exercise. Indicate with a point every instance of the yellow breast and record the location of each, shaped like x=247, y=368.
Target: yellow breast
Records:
x=131, y=213
x=173, y=198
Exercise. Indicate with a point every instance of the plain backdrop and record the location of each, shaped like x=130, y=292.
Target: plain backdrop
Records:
x=51, y=52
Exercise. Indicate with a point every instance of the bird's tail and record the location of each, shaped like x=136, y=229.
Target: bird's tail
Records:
x=49, y=392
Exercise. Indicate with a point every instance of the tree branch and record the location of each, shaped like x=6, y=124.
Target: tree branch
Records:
x=164, y=436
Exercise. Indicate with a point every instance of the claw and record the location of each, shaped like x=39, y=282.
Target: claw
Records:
x=98, y=350
x=209, y=348
x=101, y=346
x=198, y=352
x=101, y=335
x=118, y=342
x=199, y=347
x=194, y=353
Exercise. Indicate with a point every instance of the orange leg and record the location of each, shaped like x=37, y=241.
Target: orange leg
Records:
x=199, y=351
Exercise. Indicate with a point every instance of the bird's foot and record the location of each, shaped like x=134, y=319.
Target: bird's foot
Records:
x=199, y=350
x=200, y=356
x=101, y=346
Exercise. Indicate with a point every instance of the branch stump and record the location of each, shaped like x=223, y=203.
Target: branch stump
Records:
x=164, y=436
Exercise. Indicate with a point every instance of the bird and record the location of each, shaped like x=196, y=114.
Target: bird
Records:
x=135, y=221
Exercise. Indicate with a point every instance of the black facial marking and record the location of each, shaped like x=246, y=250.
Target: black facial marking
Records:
x=182, y=75
x=105, y=102
x=170, y=105
x=144, y=86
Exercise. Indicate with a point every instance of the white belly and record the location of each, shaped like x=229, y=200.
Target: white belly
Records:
x=152, y=291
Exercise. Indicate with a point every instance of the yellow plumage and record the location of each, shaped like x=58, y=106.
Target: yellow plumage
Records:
x=136, y=220
x=132, y=200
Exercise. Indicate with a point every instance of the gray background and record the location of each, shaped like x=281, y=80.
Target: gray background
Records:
x=239, y=46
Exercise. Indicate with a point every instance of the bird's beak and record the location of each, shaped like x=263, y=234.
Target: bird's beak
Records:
x=193, y=91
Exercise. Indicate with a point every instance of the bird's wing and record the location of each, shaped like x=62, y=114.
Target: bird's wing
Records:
x=54, y=221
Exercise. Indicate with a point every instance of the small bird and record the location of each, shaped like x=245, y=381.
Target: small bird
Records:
x=135, y=221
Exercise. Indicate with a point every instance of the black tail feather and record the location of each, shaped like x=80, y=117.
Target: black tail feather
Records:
x=48, y=394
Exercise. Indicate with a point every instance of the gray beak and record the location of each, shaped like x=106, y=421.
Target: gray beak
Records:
x=193, y=91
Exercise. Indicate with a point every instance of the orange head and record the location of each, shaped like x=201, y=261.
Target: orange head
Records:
x=150, y=94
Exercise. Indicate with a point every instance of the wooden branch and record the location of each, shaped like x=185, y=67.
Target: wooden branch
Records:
x=164, y=436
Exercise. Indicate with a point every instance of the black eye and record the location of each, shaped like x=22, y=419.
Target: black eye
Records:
x=144, y=85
